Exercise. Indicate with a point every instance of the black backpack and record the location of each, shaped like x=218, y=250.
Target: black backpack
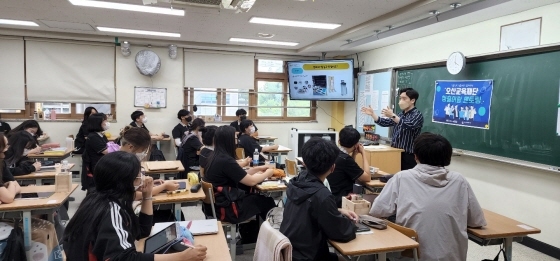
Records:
x=156, y=155
x=15, y=247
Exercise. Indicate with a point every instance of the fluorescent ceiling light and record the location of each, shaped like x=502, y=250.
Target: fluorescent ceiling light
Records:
x=260, y=20
x=129, y=31
x=242, y=40
x=17, y=22
x=128, y=7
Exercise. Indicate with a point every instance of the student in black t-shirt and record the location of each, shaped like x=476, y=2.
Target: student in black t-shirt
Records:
x=234, y=204
x=139, y=120
x=206, y=152
x=242, y=115
x=21, y=144
x=250, y=144
x=347, y=171
x=179, y=131
x=95, y=148
x=192, y=143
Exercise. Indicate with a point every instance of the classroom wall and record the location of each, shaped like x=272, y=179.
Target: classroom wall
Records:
x=528, y=195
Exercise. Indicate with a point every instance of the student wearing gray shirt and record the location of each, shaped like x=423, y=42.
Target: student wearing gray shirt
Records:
x=438, y=203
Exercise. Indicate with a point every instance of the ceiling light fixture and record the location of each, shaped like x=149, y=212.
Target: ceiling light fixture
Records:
x=282, y=22
x=128, y=7
x=130, y=31
x=264, y=35
x=455, y=5
x=243, y=40
x=17, y=22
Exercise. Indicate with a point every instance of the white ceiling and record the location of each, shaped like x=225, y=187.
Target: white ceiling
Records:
x=213, y=27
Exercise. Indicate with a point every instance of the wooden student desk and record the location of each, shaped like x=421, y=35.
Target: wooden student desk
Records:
x=157, y=141
x=380, y=242
x=166, y=172
x=24, y=208
x=279, y=152
x=278, y=187
x=500, y=229
x=40, y=177
x=55, y=158
x=383, y=157
x=176, y=200
x=217, y=248
x=265, y=139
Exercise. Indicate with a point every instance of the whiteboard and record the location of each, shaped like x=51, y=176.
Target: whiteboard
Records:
x=148, y=97
x=374, y=89
x=521, y=35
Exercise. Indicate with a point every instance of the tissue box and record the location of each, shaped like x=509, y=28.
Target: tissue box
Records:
x=360, y=207
x=63, y=182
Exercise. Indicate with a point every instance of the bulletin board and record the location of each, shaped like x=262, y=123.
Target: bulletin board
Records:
x=374, y=89
x=149, y=97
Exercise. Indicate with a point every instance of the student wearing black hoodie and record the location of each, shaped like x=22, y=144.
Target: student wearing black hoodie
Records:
x=311, y=215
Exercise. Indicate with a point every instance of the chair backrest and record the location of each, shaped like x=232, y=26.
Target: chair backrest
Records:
x=207, y=187
x=240, y=153
x=409, y=232
x=291, y=167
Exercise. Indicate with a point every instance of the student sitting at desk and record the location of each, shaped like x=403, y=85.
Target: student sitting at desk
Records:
x=192, y=144
x=80, y=141
x=33, y=128
x=347, y=171
x=137, y=141
x=21, y=144
x=139, y=120
x=5, y=172
x=250, y=144
x=8, y=186
x=311, y=215
x=242, y=115
x=438, y=203
x=179, y=131
x=96, y=147
x=234, y=201
x=105, y=226
x=206, y=152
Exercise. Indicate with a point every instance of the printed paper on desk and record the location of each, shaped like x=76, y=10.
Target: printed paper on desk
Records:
x=198, y=227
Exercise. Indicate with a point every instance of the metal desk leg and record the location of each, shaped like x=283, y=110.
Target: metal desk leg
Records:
x=38, y=182
x=158, y=144
x=382, y=256
x=27, y=230
x=508, y=247
x=177, y=210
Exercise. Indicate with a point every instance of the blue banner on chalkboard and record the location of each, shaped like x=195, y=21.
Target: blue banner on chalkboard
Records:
x=463, y=103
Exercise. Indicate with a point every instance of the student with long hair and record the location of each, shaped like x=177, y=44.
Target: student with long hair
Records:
x=80, y=140
x=234, y=202
x=192, y=143
x=95, y=148
x=21, y=144
x=33, y=128
x=105, y=226
x=8, y=186
x=137, y=141
x=206, y=152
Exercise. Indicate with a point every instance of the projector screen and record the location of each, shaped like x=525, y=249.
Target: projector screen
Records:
x=325, y=80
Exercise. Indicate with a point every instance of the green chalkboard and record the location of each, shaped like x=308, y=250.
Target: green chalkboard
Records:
x=524, y=107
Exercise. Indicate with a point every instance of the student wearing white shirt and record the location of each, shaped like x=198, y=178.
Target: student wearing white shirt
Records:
x=436, y=202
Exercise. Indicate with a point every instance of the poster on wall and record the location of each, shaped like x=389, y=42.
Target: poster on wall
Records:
x=463, y=103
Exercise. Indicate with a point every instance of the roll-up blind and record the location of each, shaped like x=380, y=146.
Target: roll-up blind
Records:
x=70, y=71
x=205, y=69
x=12, y=77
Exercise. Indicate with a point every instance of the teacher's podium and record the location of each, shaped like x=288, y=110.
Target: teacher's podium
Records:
x=383, y=157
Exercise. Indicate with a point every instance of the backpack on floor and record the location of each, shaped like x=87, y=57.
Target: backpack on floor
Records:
x=15, y=247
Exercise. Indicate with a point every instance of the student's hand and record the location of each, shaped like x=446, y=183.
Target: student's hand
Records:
x=17, y=187
x=37, y=166
x=198, y=253
x=36, y=150
x=368, y=111
x=387, y=112
x=360, y=149
x=349, y=214
x=147, y=187
x=171, y=185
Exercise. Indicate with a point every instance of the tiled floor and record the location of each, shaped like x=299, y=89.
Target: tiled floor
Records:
x=476, y=252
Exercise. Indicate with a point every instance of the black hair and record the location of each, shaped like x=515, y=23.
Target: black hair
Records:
x=26, y=125
x=135, y=136
x=224, y=144
x=182, y=113
x=3, y=145
x=136, y=114
x=240, y=112
x=208, y=135
x=197, y=123
x=244, y=125
x=348, y=137
x=19, y=141
x=319, y=155
x=114, y=177
x=95, y=121
x=433, y=149
x=410, y=93
x=87, y=113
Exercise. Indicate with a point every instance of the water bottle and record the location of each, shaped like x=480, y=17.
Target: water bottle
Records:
x=64, y=168
x=256, y=157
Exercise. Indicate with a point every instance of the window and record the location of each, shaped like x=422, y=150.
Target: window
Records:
x=269, y=101
x=63, y=110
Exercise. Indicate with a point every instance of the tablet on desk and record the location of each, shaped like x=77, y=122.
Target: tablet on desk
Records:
x=161, y=241
x=33, y=195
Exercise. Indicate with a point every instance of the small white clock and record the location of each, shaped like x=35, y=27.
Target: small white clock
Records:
x=456, y=62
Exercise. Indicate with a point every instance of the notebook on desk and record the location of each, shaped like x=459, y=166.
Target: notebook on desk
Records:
x=196, y=227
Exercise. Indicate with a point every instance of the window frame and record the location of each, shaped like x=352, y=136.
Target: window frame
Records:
x=30, y=109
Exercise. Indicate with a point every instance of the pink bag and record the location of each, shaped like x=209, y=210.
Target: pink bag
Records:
x=112, y=147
